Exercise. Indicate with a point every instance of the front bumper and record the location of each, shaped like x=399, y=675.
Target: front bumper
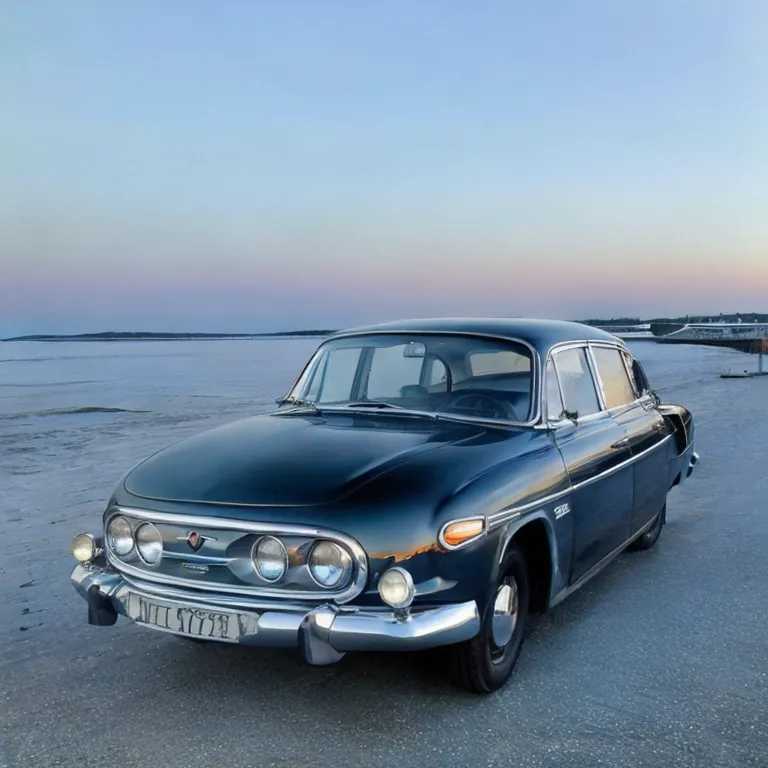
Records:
x=692, y=463
x=323, y=634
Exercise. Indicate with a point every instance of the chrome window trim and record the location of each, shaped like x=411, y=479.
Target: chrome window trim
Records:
x=507, y=514
x=351, y=591
x=453, y=547
x=623, y=406
x=535, y=365
x=545, y=399
x=551, y=355
x=597, y=379
x=642, y=400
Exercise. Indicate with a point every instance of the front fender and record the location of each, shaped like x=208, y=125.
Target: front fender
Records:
x=554, y=518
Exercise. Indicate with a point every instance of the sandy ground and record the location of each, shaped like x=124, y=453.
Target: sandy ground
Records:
x=662, y=660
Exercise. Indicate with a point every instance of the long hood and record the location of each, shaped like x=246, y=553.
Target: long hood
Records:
x=292, y=461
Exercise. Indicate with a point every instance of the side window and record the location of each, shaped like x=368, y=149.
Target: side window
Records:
x=554, y=400
x=641, y=380
x=617, y=388
x=579, y=393
x=629, y=364
x=390, y=371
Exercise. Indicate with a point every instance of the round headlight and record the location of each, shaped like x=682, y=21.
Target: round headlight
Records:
x=396, y=588
x=120, y=536
x=329, y=565
x=84, y=547
x=270, y=558
x=149, y=543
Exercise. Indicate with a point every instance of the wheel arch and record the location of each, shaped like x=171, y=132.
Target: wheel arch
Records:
x=535, y=536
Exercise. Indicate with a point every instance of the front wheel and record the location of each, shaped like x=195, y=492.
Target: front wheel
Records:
x=651, y=536
x=485, y=663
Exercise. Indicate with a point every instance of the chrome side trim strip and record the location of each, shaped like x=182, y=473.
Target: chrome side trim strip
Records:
x=621, y=465
x=359, y=557
x=595, y=569
x=511, y=513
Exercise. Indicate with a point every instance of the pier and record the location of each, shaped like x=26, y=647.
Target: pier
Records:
x=748, y=337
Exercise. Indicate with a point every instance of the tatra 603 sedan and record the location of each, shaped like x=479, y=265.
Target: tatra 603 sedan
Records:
x=423, y=485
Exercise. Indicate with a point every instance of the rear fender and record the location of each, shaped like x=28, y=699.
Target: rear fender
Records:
x=684, y=459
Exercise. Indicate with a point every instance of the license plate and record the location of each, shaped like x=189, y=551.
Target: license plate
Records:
x=191, y=621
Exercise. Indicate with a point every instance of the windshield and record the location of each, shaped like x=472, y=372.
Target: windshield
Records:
x=452, y=374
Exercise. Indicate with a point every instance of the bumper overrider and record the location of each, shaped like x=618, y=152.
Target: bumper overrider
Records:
x=322, y=634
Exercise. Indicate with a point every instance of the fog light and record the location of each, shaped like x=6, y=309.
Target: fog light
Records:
x=84, y=547
x=396, y=588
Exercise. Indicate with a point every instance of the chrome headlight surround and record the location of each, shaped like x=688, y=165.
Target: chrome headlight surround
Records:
x=279, y=556
x=119, y=536
x=149, y=544
x=298, y=584
x=329, y=564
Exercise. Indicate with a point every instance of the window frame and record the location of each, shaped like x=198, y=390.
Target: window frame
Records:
x=536, y=373
x=630, y=378
x=587, y=346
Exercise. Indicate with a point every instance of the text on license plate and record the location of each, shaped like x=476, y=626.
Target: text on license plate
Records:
x=197, y=622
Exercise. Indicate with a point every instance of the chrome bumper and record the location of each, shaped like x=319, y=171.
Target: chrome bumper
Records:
x=323, y=634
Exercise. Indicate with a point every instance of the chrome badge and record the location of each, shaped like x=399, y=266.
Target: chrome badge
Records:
x=196, y=567
x=195, y=540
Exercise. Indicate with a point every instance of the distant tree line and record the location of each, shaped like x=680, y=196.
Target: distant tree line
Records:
x=151, y=336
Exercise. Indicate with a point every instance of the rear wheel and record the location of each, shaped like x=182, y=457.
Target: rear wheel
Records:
x=651, y=536
x=485, y=663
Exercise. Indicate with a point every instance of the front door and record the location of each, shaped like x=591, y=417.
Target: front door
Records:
x=597, y=455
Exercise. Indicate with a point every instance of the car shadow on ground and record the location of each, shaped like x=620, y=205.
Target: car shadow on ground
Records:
x=255, y=673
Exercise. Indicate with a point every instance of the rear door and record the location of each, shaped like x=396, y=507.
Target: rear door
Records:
x=646, y=430
x=596, y=453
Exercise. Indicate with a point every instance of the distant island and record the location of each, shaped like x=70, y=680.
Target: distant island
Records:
x=153, y=336
x=659, y=326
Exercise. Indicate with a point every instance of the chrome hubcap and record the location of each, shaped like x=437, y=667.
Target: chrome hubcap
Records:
x=504, y=614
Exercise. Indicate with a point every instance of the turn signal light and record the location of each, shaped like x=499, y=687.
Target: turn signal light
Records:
x=455, y=534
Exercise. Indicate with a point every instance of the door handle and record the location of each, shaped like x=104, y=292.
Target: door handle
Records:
x=623, y=443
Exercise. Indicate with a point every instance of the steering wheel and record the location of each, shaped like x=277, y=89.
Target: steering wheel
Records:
x=483, y=404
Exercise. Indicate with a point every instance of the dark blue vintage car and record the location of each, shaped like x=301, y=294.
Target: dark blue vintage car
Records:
x=424, y=484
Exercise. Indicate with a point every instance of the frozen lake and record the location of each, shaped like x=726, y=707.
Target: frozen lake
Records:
x=660, y=660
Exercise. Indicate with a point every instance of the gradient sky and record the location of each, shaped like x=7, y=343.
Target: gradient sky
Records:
x=232, y=165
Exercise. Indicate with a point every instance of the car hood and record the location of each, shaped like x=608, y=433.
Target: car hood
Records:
x=297, y=460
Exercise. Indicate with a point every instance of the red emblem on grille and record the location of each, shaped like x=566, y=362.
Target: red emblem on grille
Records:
x=195, y=540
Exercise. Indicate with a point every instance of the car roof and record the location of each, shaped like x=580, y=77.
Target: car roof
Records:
x=541, y=334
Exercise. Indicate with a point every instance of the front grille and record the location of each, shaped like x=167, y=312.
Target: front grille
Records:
x=208, y=553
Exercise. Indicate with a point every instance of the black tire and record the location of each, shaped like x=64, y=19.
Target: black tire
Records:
x=479, y=665
x=651, y=536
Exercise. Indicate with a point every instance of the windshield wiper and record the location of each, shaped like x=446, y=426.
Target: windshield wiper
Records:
x=297, y=401
x=374, y=404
